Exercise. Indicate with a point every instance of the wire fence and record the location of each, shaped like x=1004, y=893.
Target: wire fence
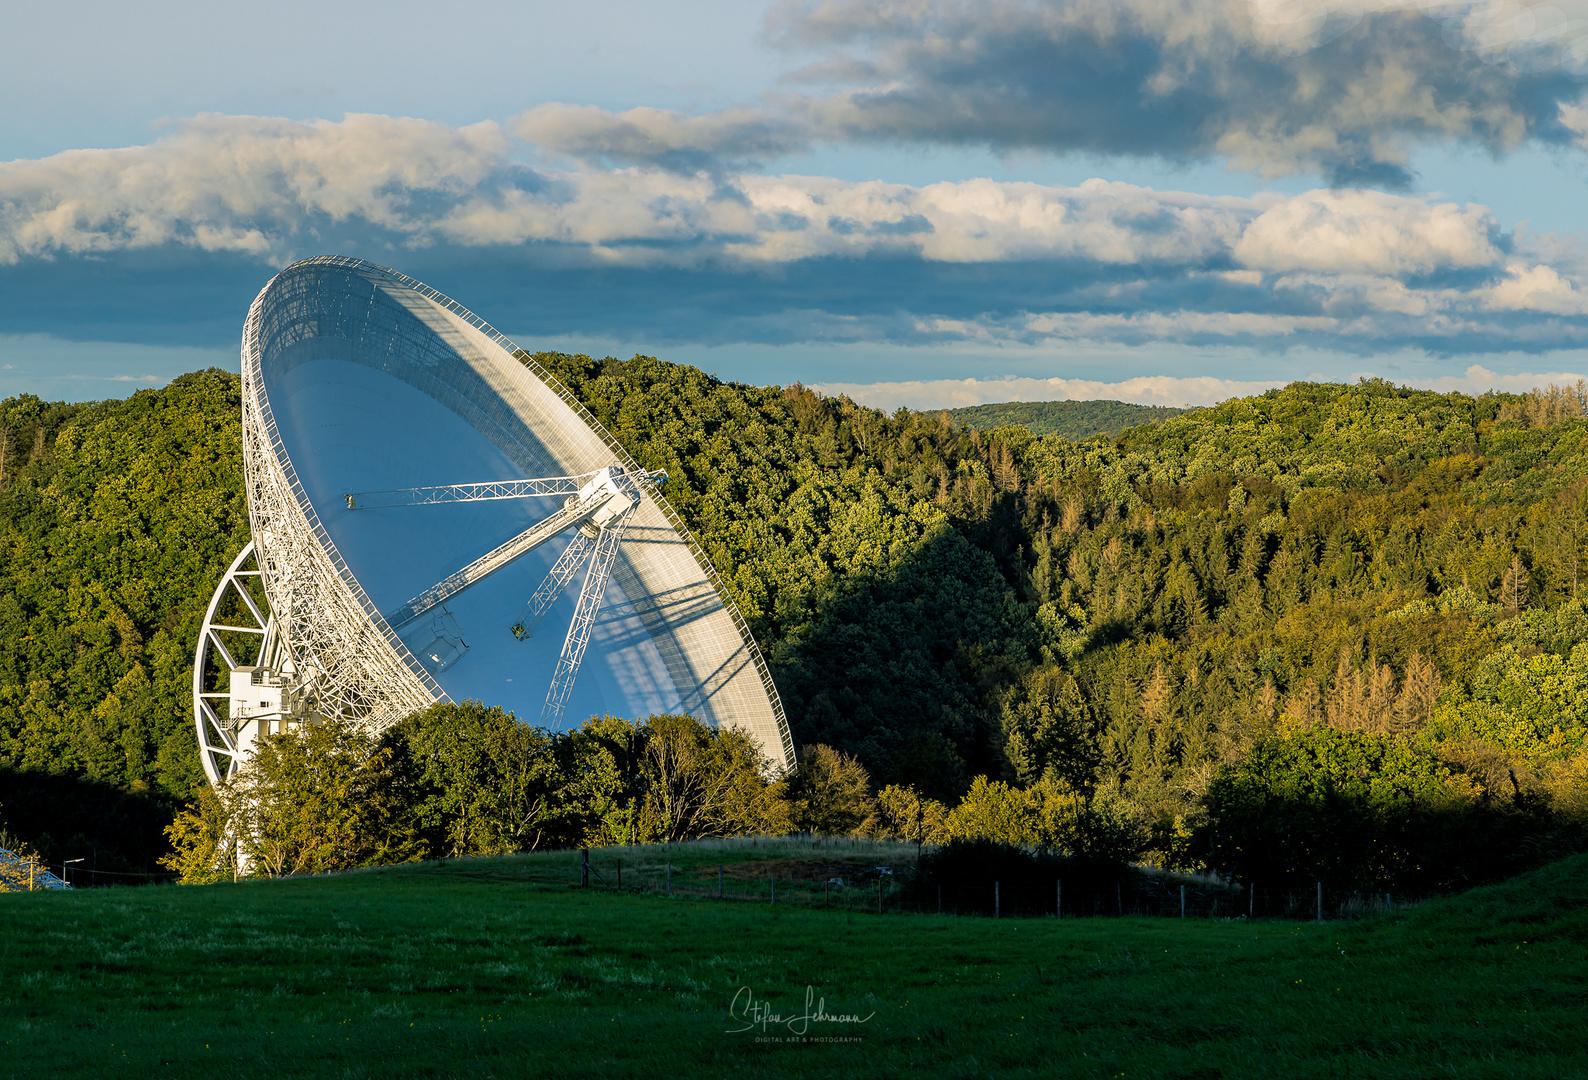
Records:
x=884, y=889
x=1149, y=897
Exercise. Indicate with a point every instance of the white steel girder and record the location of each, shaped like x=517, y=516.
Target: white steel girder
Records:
x=223, y=743
x=600, y=507
x=573, y=557
x=483, y=492
x=573, y=646
x=529, y=488
x=488, y=564
x=601, y=498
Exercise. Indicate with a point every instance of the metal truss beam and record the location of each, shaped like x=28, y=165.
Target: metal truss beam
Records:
x=605, y=496
x=456, y=493
x=489, y=563
x=493, y=489
x=572, y=558
x=217, y=733
x=573, y=646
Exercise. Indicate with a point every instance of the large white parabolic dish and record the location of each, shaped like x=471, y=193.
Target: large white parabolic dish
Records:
x=358, y=379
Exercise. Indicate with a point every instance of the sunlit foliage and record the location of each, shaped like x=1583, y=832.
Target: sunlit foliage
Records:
x=1126, y=620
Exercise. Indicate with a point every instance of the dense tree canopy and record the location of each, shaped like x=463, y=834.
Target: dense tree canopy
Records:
x=1075, y=420
x=116, y=519
x=1130, y=622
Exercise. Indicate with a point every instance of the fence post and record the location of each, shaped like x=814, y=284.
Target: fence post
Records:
x=584, y=868
x=880, y=880
x=1058, y=899
x=1386, y=901
x=1119, y=898
x=669, y=879
x=774, y=890
x=827, y=894
x=1320, y=901
x=997, y=902
x=1251, y=904
x=1182, y=900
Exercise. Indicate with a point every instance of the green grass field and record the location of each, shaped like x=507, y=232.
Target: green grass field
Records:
x=501, y=968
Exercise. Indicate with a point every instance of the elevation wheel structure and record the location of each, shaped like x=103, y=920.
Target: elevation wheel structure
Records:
x=237, y=636
x=435, y=517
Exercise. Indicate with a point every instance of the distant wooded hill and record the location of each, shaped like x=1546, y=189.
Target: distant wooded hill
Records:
x=1073, y=420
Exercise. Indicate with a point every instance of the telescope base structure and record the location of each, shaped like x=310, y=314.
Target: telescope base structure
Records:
x=422, y=496
x=244, y=685
x=240, y=646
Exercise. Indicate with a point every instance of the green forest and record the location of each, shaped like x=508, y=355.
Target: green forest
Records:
x=1075, y=420
x=1333, y=631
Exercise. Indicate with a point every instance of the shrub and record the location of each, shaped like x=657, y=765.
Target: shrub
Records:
x=476, y=781
x=905, y=814
x=307, y=801
x=830, y=792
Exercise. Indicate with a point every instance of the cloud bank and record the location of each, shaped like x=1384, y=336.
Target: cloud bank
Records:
x=1107, y=261
x=1145, y=390
x=1341, y=89
x=958, y=393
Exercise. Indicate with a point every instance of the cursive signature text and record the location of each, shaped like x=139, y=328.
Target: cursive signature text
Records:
x=753, y=1012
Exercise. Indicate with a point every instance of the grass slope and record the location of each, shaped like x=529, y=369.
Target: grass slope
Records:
x=498, y=968
x=1074, y=420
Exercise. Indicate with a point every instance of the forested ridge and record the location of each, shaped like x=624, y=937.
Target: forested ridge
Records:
x=116, y=519
x=1075, y=420
x=1244, y=628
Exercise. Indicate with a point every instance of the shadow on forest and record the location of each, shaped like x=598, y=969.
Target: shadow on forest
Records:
x=1379, y=844
x=907, y=669
x=118, y=834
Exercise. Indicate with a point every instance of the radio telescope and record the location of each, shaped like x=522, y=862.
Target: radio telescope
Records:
x=434, y=519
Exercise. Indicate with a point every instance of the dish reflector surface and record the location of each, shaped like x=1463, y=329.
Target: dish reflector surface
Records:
x=358, y=379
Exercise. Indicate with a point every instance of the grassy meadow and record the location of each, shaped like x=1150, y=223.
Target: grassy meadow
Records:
x=503, y=968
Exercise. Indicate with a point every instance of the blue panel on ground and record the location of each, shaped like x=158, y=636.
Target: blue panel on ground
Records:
x=350, y=428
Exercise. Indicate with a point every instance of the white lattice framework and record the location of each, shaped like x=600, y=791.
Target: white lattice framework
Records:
x=481, y=492
x=350, y=661
x=346, y=657
x=217, y=734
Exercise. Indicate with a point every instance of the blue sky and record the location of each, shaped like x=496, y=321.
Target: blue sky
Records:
x=917, y=203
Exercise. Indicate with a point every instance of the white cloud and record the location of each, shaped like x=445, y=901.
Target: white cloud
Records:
x=1479, y=380
x=1146, y=389
x=988, y=221
x=1101, y=260
x=261, y=186
x=1176, y=325
x=241, y=184
x=1526, y=36
x=1536, y=288
x=1343, y=88
x=1367, y=232
x=957, y=393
